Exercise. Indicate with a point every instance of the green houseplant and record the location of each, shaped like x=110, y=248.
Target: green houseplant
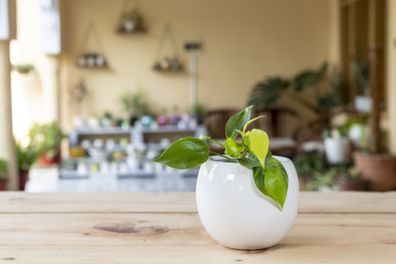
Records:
x=246, y=177
x=27, y=156
x=265, y=94
x=3, y=174
x=135, y=105
x=45, y=140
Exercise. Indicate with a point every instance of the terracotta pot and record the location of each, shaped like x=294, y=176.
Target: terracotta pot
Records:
x=346, y=184
x=3, y=184
x=23, y=177
x=44, y=160
x=378, y=169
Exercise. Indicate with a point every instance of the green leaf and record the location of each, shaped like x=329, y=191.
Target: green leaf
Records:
x=275, y=181
x=259, y=179
x=309, y=78
x=250, y=122
x=237, y=121
x=257, y=142
x=233, y=148
x=185, y=153
x=250, y=161
x=267, y=92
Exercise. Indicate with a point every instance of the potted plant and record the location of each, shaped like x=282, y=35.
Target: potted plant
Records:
x=265, y=94
x=130, y=21
x=45, y=140
x=375, y=165
x=308, y=164
x=3, y=174
x=349, y=179
x=27, y=156
x=337, y=147
x=246, y=198
x=198, y=111
x=135, y=104
x=362, y=102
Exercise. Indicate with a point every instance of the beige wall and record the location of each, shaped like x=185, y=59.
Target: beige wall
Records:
x=243, y=42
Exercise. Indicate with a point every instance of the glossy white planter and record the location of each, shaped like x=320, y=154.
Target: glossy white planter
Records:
x=235, y=213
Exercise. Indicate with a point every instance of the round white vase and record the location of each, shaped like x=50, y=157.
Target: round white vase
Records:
x=235, y=213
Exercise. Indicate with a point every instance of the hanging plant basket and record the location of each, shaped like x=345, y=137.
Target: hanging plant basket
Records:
x=131, y=20
x=90, y=59
x=167, y=63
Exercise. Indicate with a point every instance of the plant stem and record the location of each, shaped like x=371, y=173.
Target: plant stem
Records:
x=222, y=155
x=216, y=142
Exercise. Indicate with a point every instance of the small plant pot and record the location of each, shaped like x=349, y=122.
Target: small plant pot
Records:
x=346, y=184
x=235, y=213
x=363, y=104
x=338, y=150
x=45, y=160
x=3, y=184
x=378, y=169
x=23, y=178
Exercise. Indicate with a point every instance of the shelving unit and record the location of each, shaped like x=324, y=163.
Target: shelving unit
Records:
x=130, y=163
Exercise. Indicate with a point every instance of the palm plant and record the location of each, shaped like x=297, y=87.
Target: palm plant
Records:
x=265, y=94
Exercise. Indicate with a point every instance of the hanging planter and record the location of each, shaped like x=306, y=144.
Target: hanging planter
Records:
x=131, y=20
x=168, y=63
x=91, y=59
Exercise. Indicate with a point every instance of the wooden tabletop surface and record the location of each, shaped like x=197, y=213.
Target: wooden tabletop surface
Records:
x=108, y=228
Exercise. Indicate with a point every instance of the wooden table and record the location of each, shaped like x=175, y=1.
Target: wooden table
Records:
x=164, y=228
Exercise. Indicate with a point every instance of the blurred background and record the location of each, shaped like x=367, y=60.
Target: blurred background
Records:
x=92, y=90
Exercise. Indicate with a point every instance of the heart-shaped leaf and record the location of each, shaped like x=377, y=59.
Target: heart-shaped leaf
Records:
x=237, y=121
x=185, y=153
x=272, y=181
x=257, y=142
x=233, y=148
x=275, y=181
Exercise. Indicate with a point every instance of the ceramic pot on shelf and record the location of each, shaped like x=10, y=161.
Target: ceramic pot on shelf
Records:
x=337, y=149
x=235, y=213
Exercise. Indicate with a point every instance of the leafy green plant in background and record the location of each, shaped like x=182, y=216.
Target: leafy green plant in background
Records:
x=265, y=94
x=26, y=156
x=198, y=111
x=308, y=163
x=3, y=169
x=23, y=68
x=250, y=148
x=362, y=71
x=135, y=103
x=45, y=139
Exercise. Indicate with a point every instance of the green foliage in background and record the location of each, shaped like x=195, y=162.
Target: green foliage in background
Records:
x=26, y=155
x=3, y=169
x=45, y=139
x=248, y=147
x=23, y=68
x=265, y=94
x=135, y=104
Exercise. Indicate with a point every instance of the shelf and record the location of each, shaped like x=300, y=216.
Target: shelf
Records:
x=106, y=67
x=139, y=31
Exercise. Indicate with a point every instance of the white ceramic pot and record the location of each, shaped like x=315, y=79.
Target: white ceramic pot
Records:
x=337, y=150
x=235, y=213
x=363, y=104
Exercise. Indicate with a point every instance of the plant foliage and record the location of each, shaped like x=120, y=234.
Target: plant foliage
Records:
x=266, y=93
x=248, y=147
x=45, y=138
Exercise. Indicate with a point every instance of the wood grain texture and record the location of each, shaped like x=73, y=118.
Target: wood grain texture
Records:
x=310, y=202
x=164, y=228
